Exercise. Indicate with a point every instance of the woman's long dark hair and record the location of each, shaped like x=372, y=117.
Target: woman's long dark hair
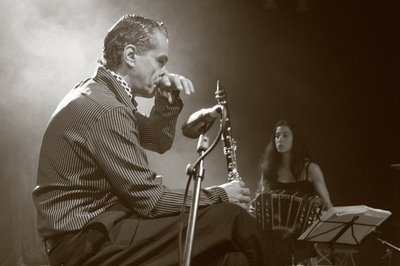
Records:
x=272, y=159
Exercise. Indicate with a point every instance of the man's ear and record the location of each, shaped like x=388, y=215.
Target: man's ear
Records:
x=129, y=55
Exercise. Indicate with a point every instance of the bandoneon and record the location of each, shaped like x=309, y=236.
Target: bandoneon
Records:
x=293, y=212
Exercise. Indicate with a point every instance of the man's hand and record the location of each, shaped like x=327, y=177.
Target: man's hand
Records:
x=172, y=82
x=237, y=192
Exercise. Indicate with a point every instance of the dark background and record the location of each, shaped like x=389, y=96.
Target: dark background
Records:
x=331, y=68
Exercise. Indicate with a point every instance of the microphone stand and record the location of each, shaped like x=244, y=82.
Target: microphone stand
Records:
x=395, y=201
x=390, y=248
x=202, y=146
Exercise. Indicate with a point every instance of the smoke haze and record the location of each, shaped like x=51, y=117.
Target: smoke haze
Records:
x=329, y=71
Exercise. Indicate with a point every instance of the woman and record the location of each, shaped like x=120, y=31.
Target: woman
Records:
x=287, y=166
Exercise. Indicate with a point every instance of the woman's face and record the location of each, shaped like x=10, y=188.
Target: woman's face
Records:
x=283, y=139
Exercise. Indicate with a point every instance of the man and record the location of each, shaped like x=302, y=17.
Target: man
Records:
x=97, y=200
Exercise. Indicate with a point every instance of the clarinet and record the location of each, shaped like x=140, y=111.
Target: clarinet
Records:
x=228, y=141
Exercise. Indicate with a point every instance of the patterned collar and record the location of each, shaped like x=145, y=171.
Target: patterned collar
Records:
x=122, y=81
x=104, y=77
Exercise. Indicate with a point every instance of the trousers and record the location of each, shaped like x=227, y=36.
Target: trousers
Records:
x=225, y=234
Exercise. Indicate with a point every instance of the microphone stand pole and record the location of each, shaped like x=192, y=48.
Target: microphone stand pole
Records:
x=395, y=200
x=202, y=146
x=389, y=250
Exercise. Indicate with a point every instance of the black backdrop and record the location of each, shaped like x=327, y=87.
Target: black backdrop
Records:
x=332, y=69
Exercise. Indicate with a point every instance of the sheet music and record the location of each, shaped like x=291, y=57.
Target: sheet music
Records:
x=331, y=224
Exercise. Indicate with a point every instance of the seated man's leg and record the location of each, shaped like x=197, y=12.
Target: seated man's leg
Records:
x=225, y=228
x=223, y=232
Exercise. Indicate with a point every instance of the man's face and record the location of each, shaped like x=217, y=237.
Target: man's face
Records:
x=283, y=139
x=149, y=67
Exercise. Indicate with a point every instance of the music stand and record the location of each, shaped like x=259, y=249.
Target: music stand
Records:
x=347, y=225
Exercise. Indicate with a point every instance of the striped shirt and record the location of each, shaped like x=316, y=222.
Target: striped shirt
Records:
x=93, y=157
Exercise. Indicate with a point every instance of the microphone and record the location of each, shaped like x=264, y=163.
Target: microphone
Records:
x=201, y=121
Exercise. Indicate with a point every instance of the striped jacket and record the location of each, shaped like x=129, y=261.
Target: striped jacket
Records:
x=92, y=157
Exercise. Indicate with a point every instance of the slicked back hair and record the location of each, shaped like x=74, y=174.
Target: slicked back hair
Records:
x=129, y=29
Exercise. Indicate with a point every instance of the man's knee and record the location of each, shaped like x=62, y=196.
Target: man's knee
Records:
x=226, y=208
x=225, y=216
x=233, y=259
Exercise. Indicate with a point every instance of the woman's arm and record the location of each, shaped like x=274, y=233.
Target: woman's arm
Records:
x=317, y=179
